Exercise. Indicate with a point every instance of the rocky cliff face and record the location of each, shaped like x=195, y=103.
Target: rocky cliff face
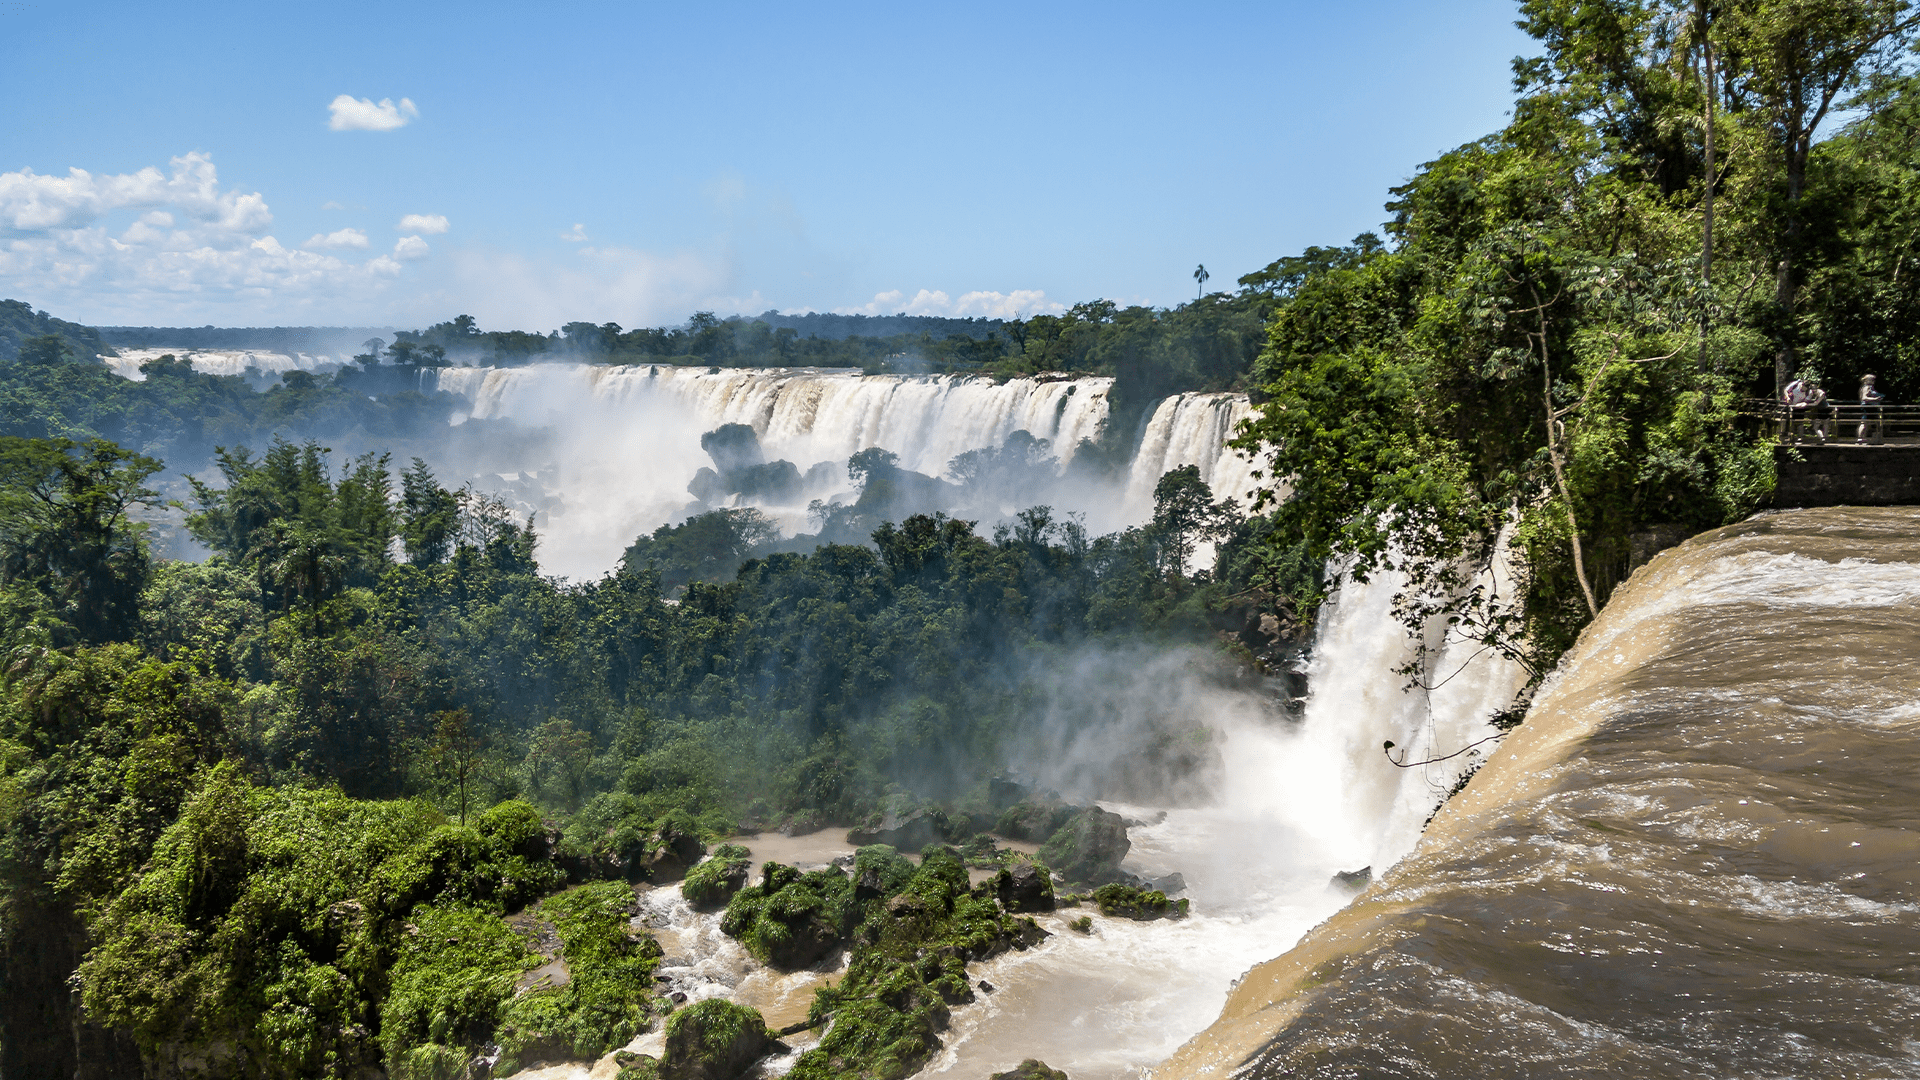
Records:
x=1699, y=857
x=42, y=1033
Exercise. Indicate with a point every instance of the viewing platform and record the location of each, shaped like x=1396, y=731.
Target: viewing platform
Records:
x=1849, y=466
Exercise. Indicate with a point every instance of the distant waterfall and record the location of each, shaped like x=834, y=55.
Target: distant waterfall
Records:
x=618, y=446
x=807, y=415
x=1193, y=429
x=631, y=441
x=222, y=361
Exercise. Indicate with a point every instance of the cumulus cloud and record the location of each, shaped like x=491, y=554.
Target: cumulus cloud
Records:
x=575, y=235
x=331, y=204
x=411, y=248
x=977, y=304
x=363, y=114
x=430, y=224
x=193, y=247
x=339, y=238
x=35, y=205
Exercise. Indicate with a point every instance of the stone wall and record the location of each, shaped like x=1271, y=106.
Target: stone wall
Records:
x=1846, y=474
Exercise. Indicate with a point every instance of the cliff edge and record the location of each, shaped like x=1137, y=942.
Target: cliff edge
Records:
x=1699, y=856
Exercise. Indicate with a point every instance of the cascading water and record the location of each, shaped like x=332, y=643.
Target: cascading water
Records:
x=222, y=361
x=618, y=446
x=1694, y=859
x=1300, y=800
x=628, y=438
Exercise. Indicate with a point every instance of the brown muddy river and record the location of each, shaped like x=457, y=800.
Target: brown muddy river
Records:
x=1700, y=857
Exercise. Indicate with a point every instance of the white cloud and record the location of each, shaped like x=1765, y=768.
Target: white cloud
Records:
x=362, y=114
x=430, y=224
x=330, y=204
x=411, y=248
x=977, y=304
x=195, y=249
x=31, y=204
x=339, y=238
x=575, y=235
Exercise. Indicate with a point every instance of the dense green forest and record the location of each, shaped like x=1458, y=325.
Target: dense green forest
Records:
x=262, y=814
x=369, y=713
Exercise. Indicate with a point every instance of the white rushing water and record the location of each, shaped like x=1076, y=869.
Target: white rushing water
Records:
x=223, y=361
x=622, y=444
x=1300, y=801
x=629, y=438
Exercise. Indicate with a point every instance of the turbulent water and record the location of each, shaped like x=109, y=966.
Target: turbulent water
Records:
x=1300, y=801
x=223, y=361
x=1700, y=857
x=628, y=438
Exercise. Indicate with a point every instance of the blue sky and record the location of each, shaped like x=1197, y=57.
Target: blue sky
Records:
x=537, y=163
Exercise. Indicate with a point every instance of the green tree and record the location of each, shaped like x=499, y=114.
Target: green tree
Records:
x=66, y=531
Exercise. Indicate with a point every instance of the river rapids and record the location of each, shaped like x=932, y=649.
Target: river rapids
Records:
x=1699, y=857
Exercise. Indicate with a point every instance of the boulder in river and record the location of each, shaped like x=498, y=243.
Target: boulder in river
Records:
x=910, y=829
x=1024, y=887
x=1088, y=848
x=1126, y=902
x=1034, y=819
x=713, y=1040
x=1353, y=880
x=712, y=883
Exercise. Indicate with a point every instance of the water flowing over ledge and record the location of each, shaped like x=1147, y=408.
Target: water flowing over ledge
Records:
x=630, y=437
x=1697, y=858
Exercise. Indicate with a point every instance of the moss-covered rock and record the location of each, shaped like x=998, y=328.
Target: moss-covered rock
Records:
x=1034, y=819
x=1089, y=847
x=712, y=884
x=1127, y=902
x=879, y=872
x=713, y=1040
x=908, y=971
x=673, y=849
x=790, y=919
x=1024, y=887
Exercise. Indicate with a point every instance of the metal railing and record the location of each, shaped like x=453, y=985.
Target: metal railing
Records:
x=1837, y=422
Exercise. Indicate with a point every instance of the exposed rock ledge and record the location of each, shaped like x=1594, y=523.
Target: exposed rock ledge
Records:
x=1699, y=857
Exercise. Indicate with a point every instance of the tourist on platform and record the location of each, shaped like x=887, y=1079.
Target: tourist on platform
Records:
x=1872, y=416
x=1794, y=397
x=1819, y=410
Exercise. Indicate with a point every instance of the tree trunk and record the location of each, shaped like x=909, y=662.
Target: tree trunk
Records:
x=1785, y=288
x=1706, y=208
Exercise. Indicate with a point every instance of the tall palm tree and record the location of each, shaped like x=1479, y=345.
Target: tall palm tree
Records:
x=1200, y=277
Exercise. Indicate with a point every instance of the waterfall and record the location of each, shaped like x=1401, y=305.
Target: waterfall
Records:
x=221, y=361
x=1693, y=859
x=1193, y=429
x=804, y=415
x=1300, y=801
x=628, y=438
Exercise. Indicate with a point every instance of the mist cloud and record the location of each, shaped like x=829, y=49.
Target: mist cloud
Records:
x=624, y=285
x=977, y=304
x=363, y=114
